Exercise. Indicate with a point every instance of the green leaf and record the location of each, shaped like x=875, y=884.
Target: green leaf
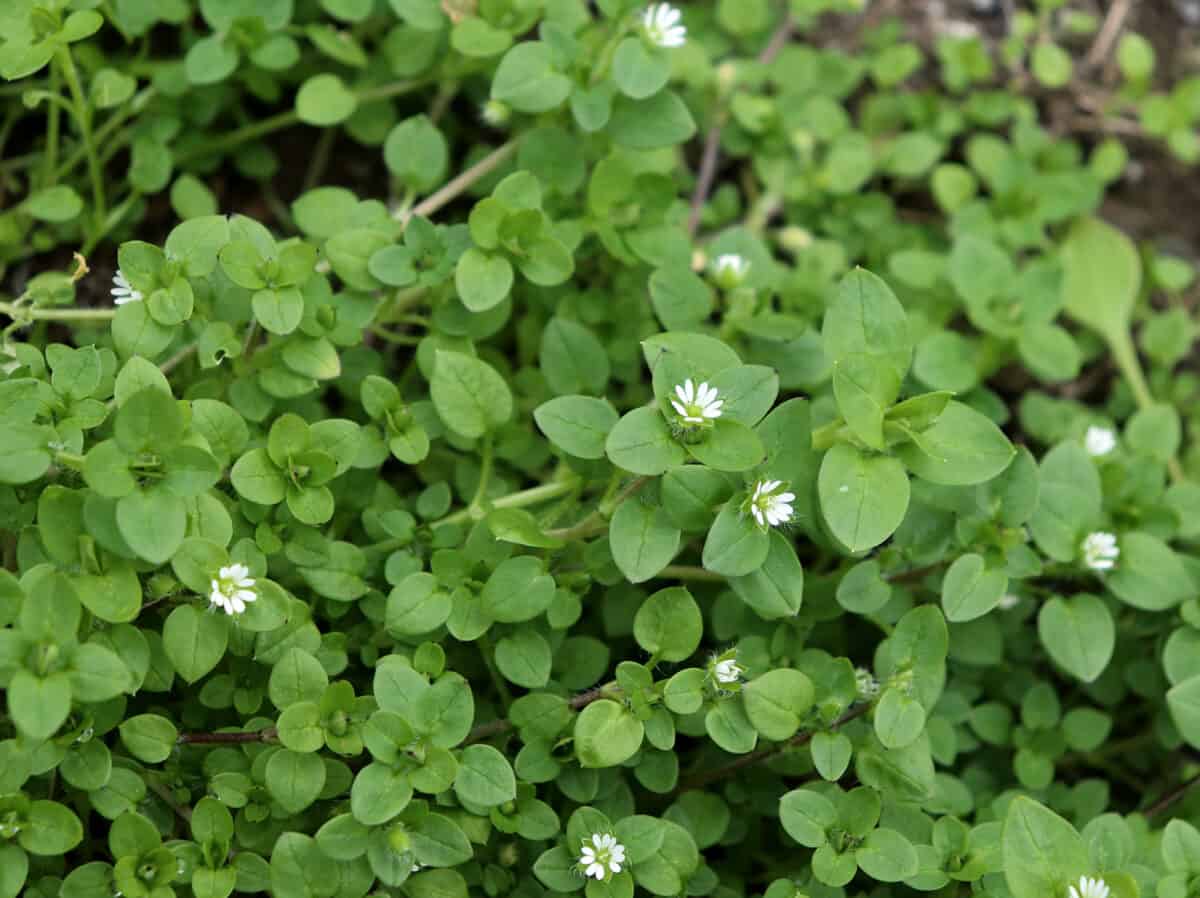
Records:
x=776, y=589
x=484, y=777
x=668, y=625
x=642, y=443
x=295, y=779
x=1078, y=633
x=638, y=71
x=643, y=539
x=866, y=319
x=735, y=546
x=777, y=702
x=153, y=523
x=524, y=658
x=194, y=641
x=1149, y=575
x=887, y=856
x=606, y=734
x=324, y=100
x=729, y=446
x=149, y=737
x=863, y=498
x=39, y=705
x=807, y=816
x=961, y=448
x=470, y=396
x=579, y=425
x=50, y=829
x=1102, y=276
x=970, y=589
x=662, y=120
x=1183, y=700
x=572, y=358
x=527, y=81
x=482, y=280
x=1042, y=852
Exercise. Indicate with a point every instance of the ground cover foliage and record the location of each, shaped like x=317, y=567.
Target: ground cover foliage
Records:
x=529, y=447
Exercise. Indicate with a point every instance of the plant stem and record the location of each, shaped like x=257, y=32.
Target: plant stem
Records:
x=463, y=181
x=285, y=119
x=52, y=117
x=181, y=356
x=597, y=521
x=31, y=313
x=267, y=734
x=486, y=453
x=702, y=779
x=488, y=651
x=688, y=572
x=83, y=117
x=1126, y=357
x=533, y=496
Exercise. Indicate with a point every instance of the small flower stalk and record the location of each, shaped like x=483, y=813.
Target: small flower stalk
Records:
x=122, y=291
x=233, y=589
x=663, y=27
x=1088, y=887
x=1100, y=551
x=697, y=406
x=770, y=503
x=602, y=856
x=729, y=271
x=1099, y=441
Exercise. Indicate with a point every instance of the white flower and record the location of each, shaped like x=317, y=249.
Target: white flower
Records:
x=730, y=270
x=122, y=291
x=771, y=508
x=1008, y=602
x=727, y=672
x=603, y=856
x=865, y=683
x=1099, y=441
x=1089, y=888
x=697, y=405
x=233, y=589
x=663, y=28
x=1100, y=551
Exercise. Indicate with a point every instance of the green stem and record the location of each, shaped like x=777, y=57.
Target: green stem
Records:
x=83, y=117
x=605, y=57
x=532, y=496
x=488, y=651
x=106, y=131
x=485, y=475
x=688, y=572
x=30, y=313
x=285, y=119
x=52, y=118
x=1125, y=355
x=597, y=522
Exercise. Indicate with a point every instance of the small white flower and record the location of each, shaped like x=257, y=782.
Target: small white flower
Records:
x=603, y=856
x=697, y=405
x=730, y=270
x=769, y=507
x=1100, y=551
x=663, y=27
x=865, y=683
x=727, y=672
x=1099, y=441
x=1089, y=887
x=1008, y=602
x=233, y=589
x=122, y=291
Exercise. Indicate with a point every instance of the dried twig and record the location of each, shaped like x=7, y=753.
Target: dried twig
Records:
x=1109, y=32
